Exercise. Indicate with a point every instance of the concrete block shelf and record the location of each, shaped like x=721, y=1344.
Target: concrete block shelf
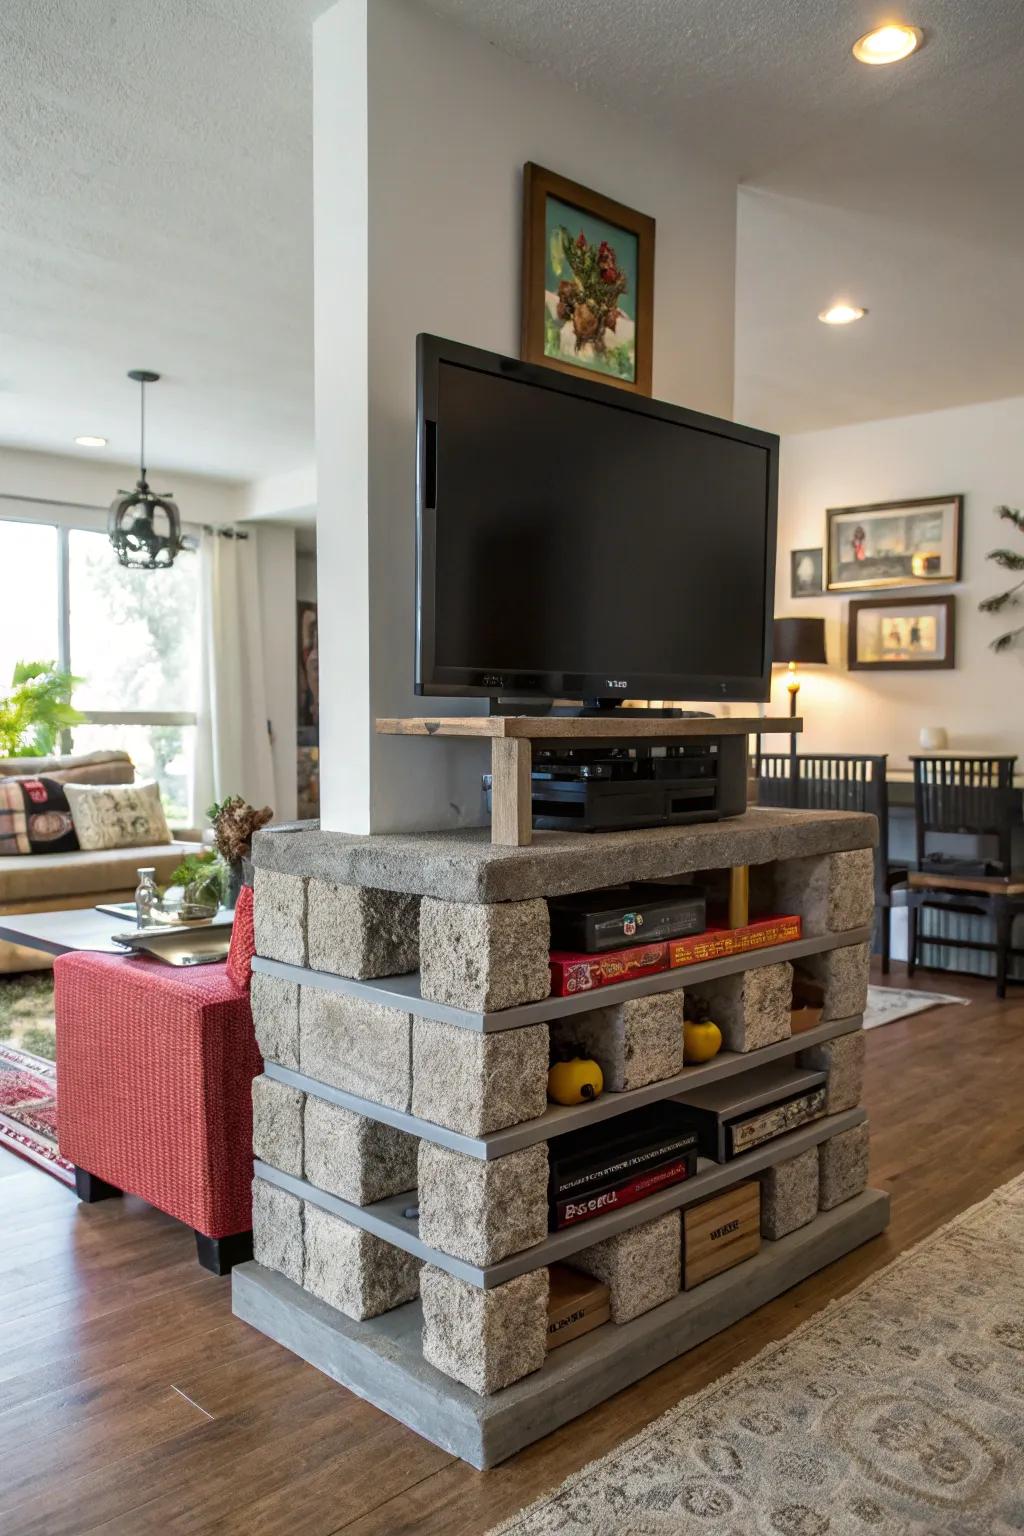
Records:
x=382, y=1360
x=403, y=992
x=558, y=1119
x=386, y=1218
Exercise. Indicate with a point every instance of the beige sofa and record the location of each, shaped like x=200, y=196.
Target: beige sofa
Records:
x=58, y=882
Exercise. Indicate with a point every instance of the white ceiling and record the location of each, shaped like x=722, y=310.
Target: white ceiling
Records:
x=156, y=212
x=155, y=204
x=899, y=187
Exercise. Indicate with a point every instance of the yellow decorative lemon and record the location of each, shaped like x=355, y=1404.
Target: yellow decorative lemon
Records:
x=575, y=1081
x=701, y=1041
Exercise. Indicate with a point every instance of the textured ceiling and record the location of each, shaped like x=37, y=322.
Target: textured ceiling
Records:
x=155, y=211
x=155, y=204
x=899, y=187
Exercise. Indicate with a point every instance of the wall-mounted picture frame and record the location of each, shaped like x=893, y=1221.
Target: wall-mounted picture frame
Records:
x=894, y=544
x=902, y=634
x=805, y=572
x=588, y=282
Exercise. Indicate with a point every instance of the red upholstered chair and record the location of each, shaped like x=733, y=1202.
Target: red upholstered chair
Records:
x=154, y=1072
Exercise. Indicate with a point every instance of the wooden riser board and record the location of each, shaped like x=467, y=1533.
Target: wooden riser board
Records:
x=382, y=1361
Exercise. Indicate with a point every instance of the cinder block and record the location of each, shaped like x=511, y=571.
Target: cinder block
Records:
x=354, y=1271
x=832, y=893
x=358, y=1159
x=277, y=1125
x=476, y=1083
x=277, y=1229
x=843, y=1166
x=482, y=1211
x=789, y=1194
x=641, y=1267
x=844, y=975
x=275, y=1017
x=843, y=1060
x=279, y=916
x=359, y=1046
x=634, y=1043
x=484, y=957
x=485, y=1339
x=354, y=931
x=751, y=1008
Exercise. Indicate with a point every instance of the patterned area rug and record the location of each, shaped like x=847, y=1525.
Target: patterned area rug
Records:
x=28, y=1077
x=897, y=1411
x=887, y=1004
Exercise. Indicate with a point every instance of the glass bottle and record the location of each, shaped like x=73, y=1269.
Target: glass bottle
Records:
x=145, y=898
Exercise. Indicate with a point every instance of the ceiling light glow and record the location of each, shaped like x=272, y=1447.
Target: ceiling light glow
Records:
x=842, y=314
x=886, y=45
x=91, y=442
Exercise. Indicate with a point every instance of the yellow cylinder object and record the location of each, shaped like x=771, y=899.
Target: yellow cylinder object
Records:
x=701, y=1041
x=574, y=1082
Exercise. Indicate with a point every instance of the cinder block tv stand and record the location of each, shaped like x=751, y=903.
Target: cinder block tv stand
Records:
x=383, y=1073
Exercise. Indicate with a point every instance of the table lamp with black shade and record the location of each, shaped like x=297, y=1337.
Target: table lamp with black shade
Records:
x=798, y=642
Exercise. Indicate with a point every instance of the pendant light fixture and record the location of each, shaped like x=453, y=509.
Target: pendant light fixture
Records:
x=144, y=528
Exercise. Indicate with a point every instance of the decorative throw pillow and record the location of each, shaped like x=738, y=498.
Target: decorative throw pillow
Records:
x=117, y=815
x=35, y=817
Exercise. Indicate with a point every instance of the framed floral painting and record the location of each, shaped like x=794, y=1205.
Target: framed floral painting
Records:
x=588, y=282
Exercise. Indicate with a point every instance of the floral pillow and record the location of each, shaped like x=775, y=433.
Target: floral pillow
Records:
x=117, y=815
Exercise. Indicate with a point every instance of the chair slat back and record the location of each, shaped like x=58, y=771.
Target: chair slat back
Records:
x=829, y=781
x=972, y=795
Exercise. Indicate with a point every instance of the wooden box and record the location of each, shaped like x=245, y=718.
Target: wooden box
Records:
x=721, y=1232
x=576, y=1303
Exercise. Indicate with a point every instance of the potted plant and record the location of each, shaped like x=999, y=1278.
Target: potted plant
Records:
x=203, y=881
x=1010, y=560
x=235, y=822
x=36, y=708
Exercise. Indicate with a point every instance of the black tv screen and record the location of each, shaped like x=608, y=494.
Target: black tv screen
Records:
x=579, y=541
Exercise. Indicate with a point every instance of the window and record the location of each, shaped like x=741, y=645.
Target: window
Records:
x=132, y=636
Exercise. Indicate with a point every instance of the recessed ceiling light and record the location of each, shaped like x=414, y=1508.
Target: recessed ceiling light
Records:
x=885, y=45
x=842, y=314
x=91, y=442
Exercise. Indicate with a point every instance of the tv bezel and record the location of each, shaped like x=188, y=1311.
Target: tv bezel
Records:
x=481, y=682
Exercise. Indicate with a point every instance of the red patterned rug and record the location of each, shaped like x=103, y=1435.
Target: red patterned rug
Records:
x=28, y=1111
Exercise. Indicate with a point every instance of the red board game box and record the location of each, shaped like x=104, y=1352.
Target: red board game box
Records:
x=572, y=973
x=716, y=943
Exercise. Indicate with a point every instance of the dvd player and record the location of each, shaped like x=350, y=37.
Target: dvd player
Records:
x=609, y=789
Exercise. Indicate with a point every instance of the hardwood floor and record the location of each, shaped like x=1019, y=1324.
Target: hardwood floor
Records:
x=131, y=1402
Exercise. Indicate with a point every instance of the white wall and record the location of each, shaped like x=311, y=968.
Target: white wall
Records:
x=417, y=191
x=977, y=450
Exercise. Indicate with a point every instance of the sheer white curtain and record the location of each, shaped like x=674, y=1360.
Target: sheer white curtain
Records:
x=233, y=749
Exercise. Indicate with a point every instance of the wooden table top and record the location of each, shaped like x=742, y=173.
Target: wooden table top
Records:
x=629, y=725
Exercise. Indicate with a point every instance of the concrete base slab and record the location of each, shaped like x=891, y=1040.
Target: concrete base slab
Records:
x=382, y=1361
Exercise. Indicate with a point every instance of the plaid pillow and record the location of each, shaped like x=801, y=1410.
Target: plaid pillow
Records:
x=35, y=817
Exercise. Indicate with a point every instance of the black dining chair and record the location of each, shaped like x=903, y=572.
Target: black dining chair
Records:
x=838, y=781
x=971, y=796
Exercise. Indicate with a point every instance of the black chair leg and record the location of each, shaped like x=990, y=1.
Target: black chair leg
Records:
x=89, y=1187
x=1004, y=923
x=911, y=938
x=220, y=1254
x=885, y=918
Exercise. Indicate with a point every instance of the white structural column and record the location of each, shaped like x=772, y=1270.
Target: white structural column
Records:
x=421, y=129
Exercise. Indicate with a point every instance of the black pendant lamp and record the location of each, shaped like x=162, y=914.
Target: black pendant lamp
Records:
x=144, y=528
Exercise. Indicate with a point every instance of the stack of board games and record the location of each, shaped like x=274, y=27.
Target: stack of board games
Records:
x=577, y=971
x=590, y=922
x=618, y=1162
x=737, y=1114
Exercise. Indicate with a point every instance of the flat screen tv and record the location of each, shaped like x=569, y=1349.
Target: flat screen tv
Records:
x=578, y=542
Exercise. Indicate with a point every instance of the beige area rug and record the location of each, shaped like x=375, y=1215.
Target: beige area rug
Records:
x=897, y=1411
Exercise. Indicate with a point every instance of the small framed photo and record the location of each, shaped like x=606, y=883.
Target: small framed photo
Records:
x=805, y=572
x=588, y=282
x=902, y=634
x=894, y=544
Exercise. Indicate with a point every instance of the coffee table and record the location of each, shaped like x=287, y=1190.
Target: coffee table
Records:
x=65, y=933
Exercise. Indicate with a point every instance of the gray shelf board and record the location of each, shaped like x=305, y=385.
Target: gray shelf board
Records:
x=382, y=1360
x=404, y=991
x=558, y=1119
x=384, y=1218
x=761, y=1086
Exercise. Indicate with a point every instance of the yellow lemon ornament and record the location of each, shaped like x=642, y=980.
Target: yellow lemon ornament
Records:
x=575, y=1081
x=701, y=1041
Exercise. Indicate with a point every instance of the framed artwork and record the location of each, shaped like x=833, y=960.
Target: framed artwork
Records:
x=588, y=282
x=805, y=567
x=894, y=544
x=902, y=634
